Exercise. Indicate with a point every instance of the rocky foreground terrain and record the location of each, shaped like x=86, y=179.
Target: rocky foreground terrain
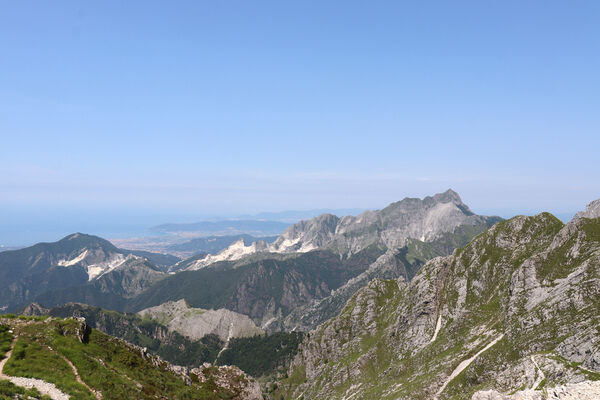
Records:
x=513, y=315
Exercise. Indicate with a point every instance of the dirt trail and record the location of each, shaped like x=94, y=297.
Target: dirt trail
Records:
x=96, y=393
x=464, y=364
x=42, y=386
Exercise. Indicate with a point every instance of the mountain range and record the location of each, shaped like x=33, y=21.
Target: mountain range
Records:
x=287, y=284
x=420, y=300
x=515, y=311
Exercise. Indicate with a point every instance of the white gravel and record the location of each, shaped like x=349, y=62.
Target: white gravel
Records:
x=43, y=387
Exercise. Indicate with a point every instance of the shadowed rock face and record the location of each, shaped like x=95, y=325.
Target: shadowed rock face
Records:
x=516, y=308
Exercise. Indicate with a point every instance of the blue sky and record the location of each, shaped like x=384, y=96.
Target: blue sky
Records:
x=156, y=110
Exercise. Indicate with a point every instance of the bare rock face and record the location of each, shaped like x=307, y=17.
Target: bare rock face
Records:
x=587, y=390
x=196, y=323
x=515, y=309
x=35, y=309
x=425, y=220
x=591, y=211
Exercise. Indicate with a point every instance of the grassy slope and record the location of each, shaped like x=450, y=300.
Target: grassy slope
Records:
x=104, y=363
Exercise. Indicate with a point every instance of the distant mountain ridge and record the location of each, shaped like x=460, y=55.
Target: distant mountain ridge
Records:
x=75, y=260
x=425, y=220
x=214, y=244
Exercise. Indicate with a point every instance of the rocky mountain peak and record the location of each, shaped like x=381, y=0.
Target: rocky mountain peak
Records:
x=591, y=211
x=425, y=220
x=449, y=196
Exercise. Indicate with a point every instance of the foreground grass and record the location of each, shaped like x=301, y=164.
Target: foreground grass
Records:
x=5, y=340
x=104, y=363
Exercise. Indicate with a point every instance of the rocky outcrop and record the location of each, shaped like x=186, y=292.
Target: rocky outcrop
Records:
x=196, y=323
x=35, y=309
x=516, y=308
x=231, y=379
x=591, y=211
x=425, y=220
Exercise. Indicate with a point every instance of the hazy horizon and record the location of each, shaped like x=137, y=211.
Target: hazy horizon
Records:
x=23, y=227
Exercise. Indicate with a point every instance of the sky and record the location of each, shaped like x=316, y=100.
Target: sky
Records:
x=135, y=113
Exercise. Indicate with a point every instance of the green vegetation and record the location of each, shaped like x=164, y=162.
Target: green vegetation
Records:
x=262, y=354
x=561, y=262
x=31, y=359
x=104, y=363
x=5, y=340
x=8, y=391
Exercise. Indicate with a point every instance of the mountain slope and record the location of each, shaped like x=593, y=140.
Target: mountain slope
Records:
x=196, y=323
x=213, y=244
x=73, y=260
x=78, y=267
x=516, y=308
x=81, y=363
x=111, y=290
x=265, y=289
x=157, y=338
x=256, y=355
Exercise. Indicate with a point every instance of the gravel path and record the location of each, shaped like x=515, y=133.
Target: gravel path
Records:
x=541, y=375
x=42, y=386
x=438, y=326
